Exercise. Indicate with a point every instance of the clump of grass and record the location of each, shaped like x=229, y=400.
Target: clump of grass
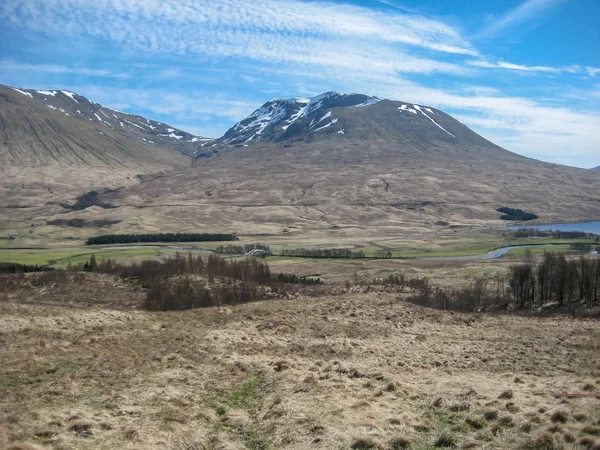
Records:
x=586, y=442
x=445, y=440
x=506, y=394
x=398, y=442
x=476, y=423
x=506, y=422
x=490, y=414
x=560, y=416
x=45, y=434
x=543, y=441
x=244, y=396
x=80, y=426
x=590, y=429
x=365, y=443
x=254, y=440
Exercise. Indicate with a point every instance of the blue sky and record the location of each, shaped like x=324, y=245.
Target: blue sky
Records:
x=523, y=73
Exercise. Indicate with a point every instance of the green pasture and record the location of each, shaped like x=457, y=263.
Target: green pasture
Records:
x=74, y=256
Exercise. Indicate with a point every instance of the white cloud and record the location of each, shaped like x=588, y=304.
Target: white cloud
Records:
x=526, y=11
x=523, y=68
x=264, y=30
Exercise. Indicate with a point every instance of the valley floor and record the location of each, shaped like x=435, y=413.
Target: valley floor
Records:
x=355, y=370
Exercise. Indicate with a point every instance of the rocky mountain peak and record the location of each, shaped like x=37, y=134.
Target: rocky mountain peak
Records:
x=272, y=120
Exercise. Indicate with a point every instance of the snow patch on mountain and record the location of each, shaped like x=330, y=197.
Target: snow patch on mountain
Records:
x=407, y=108
x=334, y=121
x=437, y=124
x=316, y=122
x=369, y=101
x=275, y=117
x=171, y=135
x=23, y=92
x=71, y=95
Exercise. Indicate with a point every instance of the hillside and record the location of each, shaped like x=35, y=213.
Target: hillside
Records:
x=335, y=163
x=301, y=373
x=596, y=168
x=60, y=142
x=385, y=165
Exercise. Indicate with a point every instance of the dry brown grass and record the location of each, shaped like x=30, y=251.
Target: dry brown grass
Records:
x=356, y=369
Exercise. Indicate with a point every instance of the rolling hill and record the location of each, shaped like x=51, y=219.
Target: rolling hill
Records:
x=353, y=164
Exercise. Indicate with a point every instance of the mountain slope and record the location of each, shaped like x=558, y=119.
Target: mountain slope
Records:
x=596, y=168
x=382, y=166
x=342, y=120
x=59, y=141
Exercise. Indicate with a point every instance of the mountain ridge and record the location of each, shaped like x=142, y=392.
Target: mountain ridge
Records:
x=333, y=162
x=55, y=144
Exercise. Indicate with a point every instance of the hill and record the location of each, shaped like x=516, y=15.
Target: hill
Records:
x=332, y=164
x=356, y=163
x=61, y=142
x=596, y=168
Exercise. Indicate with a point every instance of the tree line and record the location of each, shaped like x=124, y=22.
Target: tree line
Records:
x=242, y=249
x=555, y=279
x=534, y=232
x=22, y=268
x=322, y=253
x=180, y=282
x=160, y=237
x=532, y=284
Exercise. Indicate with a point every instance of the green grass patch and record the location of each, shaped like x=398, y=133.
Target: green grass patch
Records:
x=246, y=395
x=74, y=256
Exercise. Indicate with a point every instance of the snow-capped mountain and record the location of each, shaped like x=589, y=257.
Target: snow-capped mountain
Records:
x=335, y=118
x=65, y=141
x=281, y=119
x=80, y=108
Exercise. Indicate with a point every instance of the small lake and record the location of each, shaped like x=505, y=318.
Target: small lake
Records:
x=586, y=227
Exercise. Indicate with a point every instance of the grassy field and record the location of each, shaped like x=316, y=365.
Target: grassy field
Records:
x=83, y=368
x=61, y=258
x=439, y=245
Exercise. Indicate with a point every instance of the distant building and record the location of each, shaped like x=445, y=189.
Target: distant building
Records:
x=257, y=252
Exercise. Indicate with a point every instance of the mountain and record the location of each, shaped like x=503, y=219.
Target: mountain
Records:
x=60, y=142
x=343, y=120
x=596, y=168
x=354, y=164
x=280, y=120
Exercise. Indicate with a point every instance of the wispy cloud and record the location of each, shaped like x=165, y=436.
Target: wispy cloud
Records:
x=525, y=12
x=163, y=102
x=58, y=69
x=524, y=68
x=276, y=31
